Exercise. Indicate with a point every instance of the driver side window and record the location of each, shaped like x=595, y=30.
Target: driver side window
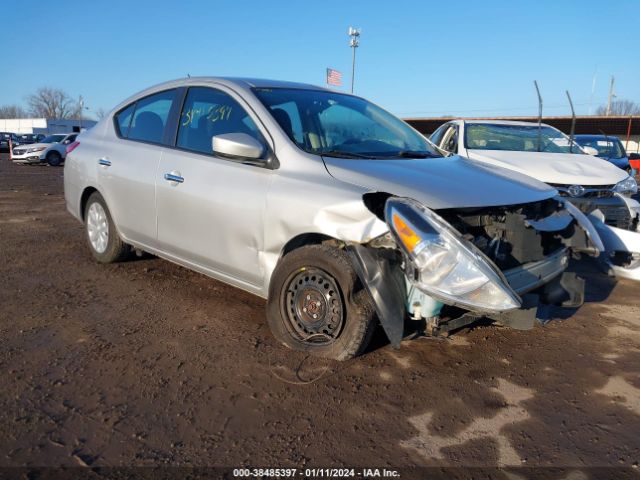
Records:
x=340, y=123
x=208, y=112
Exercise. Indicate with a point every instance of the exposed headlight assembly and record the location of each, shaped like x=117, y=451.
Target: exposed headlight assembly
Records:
x=38, y=149
x=628, y=185
x=444, y=265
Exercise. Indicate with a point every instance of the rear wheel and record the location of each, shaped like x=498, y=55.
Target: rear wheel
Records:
x=103, y=239
x=54, y=158
x=317, y=303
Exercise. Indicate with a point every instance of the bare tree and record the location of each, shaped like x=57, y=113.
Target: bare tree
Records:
x=100, y=113
x=620, y=107
x=50, y=102
x=12, y=111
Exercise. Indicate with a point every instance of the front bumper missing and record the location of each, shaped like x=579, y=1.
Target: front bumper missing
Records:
x=530, y=276
x=539, y=283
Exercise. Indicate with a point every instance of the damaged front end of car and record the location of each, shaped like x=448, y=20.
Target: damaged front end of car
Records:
x=451, y=267
x=621, y=255
x=616, y=217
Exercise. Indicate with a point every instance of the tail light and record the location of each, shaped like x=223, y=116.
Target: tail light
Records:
x=72, y=146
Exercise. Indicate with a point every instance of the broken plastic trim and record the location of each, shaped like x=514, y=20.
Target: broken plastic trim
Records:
x=586, y=225
x=385, y=282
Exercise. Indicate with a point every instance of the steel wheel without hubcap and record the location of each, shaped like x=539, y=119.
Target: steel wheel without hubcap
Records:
x=98, y=227
x=317, y=304
x=314, y=309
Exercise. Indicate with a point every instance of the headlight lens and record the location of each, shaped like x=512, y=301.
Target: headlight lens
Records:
x=33, y=150
x=628, y=185
x=445, y=266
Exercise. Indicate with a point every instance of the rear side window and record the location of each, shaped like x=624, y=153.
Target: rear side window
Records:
x=146, y=119
x=208, y=112
x=123, y=120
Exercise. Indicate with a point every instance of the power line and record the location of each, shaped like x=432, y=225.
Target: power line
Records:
x=506, y=109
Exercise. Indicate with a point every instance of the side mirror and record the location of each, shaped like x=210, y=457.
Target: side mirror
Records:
x=237, y=145
x=590, y=151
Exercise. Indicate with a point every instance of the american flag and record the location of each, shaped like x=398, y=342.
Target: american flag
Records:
x=334, y=77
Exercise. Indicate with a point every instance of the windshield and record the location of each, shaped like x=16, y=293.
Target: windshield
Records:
x=517, y=138
x=606, y=147
x=53, y=139
x=338, y=125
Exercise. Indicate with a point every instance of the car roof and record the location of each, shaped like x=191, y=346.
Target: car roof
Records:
x=235, y=83
x=238, y=81
x=505, y=122
x=267, y=83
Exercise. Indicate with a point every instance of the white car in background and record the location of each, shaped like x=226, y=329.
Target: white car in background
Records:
x=51, y=150
x=597, y=187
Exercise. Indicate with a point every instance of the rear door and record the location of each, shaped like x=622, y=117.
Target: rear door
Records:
x=128, y=164
x=211, y=209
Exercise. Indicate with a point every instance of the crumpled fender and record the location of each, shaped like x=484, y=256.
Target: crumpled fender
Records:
x=632, y=205
x=617, y=239
x=585, y=223
x=613, y=238
x=318, y=206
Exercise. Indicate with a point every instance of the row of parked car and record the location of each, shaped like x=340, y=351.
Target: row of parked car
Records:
x=342, y=215
x=7, y=139
x=37, y=148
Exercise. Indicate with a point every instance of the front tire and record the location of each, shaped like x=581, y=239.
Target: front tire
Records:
x=318, y=305
x=102, y=236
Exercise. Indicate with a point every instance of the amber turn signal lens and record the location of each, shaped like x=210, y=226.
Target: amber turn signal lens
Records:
x=406, y=234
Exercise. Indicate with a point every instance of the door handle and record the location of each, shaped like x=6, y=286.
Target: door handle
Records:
x=173, y=177
x=104, y=162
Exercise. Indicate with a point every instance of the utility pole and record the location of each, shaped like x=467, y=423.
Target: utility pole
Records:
x=535, y=82
x=81, y=103
x=354, y=43
x=593, y=89
x=572, y=135
x=611, y=95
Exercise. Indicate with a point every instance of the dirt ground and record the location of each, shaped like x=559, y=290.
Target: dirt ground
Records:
x=146, y=363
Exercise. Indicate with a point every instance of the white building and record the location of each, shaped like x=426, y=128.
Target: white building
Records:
x=43, y=125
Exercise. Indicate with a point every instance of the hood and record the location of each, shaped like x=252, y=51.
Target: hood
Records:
x=35, y=145
x=448, y=182
x=558, y=168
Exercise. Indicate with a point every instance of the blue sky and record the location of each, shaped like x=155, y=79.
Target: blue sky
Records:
x=416, y=58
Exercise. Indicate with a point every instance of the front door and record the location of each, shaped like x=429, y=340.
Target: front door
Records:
x=210, y=209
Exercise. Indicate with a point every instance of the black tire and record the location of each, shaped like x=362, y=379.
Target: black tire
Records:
x=116, y=250
x=309, y=280
x=54, y=158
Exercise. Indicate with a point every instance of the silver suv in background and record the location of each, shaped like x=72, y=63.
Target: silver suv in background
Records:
x=334, y=210
x=51, y=149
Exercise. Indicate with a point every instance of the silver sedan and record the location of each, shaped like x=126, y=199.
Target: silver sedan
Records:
x=337, y=212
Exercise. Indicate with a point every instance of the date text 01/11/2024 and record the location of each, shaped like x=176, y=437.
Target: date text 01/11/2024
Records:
x=316, y=473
